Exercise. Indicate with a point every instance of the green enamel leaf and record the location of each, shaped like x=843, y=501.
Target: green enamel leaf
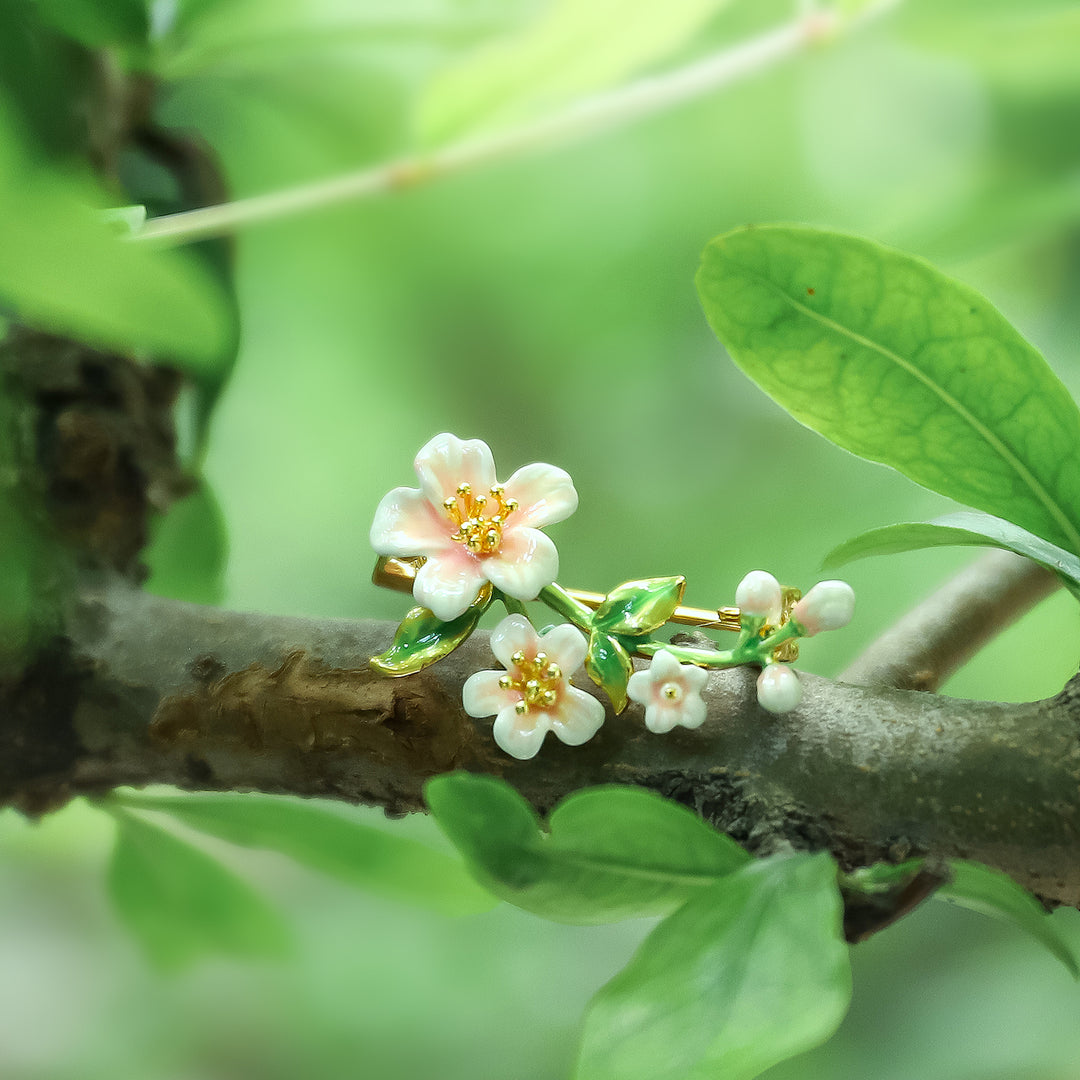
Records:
x=964, y=530
x=611, y=853
x=988, y=891
x=181, y=905
x=329, y=840
x=890, y=359
x=750, y=972
x=610, y=667
x=95, y=24
x=421, y=639
x=639, y=607
x=574, y=48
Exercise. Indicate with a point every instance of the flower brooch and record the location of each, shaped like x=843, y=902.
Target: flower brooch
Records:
x=463, y=541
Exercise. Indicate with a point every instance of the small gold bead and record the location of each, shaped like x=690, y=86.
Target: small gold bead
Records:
x=506, y=683
x=540, y=659
x=553, y=671
x=518, y=658
x=521, y=708
x=463, y=489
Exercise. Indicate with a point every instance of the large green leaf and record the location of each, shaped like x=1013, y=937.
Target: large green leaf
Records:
x=96, y=24
x=575, y=48
x=188, y=550
x=182, y=905
x=327, y=841
x=612, y=852
x=981, y=889
x=66, y=269
x=892, y=360
x=750, y=972
x=964, y=529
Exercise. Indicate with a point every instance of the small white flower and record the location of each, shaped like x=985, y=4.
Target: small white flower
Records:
x=778, y=689
x=670, y=692
x=534, y=695
x=472, y=529
x=829, y=605
x=759, y=596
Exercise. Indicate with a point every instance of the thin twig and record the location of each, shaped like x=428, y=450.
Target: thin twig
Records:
x=602, y=112
x=942, y=633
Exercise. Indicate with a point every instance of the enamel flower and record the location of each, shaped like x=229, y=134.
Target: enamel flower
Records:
x=670, y=692
x=470, y=528
x=534, y=695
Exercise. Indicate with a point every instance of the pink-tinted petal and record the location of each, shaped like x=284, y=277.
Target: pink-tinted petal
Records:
x=482, y=696
x=447, y=461
x=448, y=583
x=520, y=736
x=407, y=524
x=665, y=667
x=513, y=633
x=577, y=717
x=525, y=563
x=566, y=645
x=693, y=712
x=545, y=494
x=694, y=678
x=661, y=718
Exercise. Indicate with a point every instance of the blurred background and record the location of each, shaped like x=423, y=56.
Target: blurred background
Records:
x=545, y=303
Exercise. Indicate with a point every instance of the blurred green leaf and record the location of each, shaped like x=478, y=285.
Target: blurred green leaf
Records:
x=329, y=842
x=639, y=607
x=182, y=905
x=575, y=48
x=421, y=639
x=612, y=852
x=749, y=972
x=96, y=24
x=988, y=891
x=65, y=269
x=964, y=529
x=189, y=549
x=892, y=360
x=609, y=666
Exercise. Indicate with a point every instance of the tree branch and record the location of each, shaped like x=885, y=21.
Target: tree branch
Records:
x=940, y=635
x=141, y=690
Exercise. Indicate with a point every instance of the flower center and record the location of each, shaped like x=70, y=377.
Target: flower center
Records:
x=481, y=535
x=672, y=691
x=537, y=681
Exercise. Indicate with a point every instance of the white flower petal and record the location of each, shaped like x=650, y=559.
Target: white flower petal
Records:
x=665, y=667
x=693, y=712
x=567, y=646
x=660, y=719
x=520, y=736
x=525, y=563
x=694, y=678
x=829, y=605
x=482, y=696
x=407, y=524
x=448, y=583
x=639, y=688
x=545, y=495
x=446, y=461
x=759, y=595
x=513, y=633
x=577, y=717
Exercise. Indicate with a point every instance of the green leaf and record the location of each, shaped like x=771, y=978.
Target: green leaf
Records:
x=182, y=905
x=981, y=889
x=96, y=24
x=750, y=972
x=421, y=639
x=188, y=550
x=327, y=841
x=964, y=530
x=892, y=360
x=612, y=852
x=639, y=607
x=576, y=47
x=610, y=667
x=66, y=269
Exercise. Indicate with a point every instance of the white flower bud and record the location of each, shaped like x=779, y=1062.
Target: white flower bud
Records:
x=778, y=689
x=829, y=605
x=758, y=596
